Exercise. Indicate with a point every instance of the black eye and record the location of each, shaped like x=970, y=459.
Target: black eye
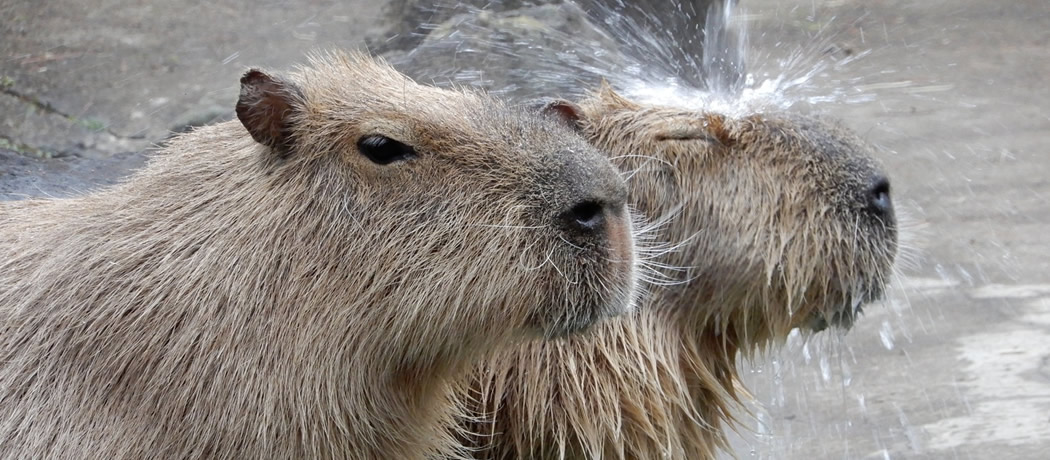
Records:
x=383, y=150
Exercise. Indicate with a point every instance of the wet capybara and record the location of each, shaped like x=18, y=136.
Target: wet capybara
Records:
x=777, y=221
x=307, y=281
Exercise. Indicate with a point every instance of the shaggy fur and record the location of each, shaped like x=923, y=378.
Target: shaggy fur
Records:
x=296, y=300
x=775, y=229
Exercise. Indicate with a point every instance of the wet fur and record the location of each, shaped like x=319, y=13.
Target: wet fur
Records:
x=768, y=215
x=238, y=301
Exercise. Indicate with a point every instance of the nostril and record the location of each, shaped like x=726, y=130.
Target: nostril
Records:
x=586, y=216
x=879, y=197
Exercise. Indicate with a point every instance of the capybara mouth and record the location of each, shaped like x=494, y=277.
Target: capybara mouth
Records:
x=587, y=313
x=846, y=312
x=617, y=295
x=569, y=327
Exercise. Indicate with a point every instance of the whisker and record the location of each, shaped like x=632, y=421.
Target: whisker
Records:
x=563, y=240
x=512, y=227
x=558, y=269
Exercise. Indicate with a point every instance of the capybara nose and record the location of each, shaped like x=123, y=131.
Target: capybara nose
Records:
x=587, y=216
x=878, y=197
x=592, y=196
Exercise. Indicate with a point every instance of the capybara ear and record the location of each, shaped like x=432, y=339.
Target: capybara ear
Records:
x=716, y=124
x=611, y=100
x=559, y=109
x=266, y=107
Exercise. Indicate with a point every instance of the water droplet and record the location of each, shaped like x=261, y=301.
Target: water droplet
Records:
x=886, y=335
x=825, y=368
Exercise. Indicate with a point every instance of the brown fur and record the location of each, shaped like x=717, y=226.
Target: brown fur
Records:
x=295, y=300
x=773, y=230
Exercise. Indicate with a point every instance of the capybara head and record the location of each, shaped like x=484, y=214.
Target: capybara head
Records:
x=775, y=221
x=454, y=191
x=782, y=220
x=307, y=283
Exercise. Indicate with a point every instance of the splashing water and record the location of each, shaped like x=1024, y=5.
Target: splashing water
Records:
x=566, y=49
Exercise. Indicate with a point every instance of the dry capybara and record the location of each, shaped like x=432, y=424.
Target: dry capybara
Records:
x=779, y=220
x=307, y=281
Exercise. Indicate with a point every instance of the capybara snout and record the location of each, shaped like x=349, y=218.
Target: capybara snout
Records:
x=586, y=200
x=599, y=222
x=599, y=201
x=844, y=167
x=594, y=212
x=588, y=213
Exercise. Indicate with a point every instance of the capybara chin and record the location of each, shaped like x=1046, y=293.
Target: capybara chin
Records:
x=778, y=221
x=307, y=281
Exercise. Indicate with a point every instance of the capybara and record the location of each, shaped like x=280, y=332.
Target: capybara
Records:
x=780, y=221
x=309, y=280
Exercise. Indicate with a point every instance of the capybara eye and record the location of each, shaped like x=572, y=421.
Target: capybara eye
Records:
x=383, y=150
x=685, y=134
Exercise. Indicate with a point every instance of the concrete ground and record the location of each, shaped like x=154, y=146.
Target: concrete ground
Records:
x=955, y=364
